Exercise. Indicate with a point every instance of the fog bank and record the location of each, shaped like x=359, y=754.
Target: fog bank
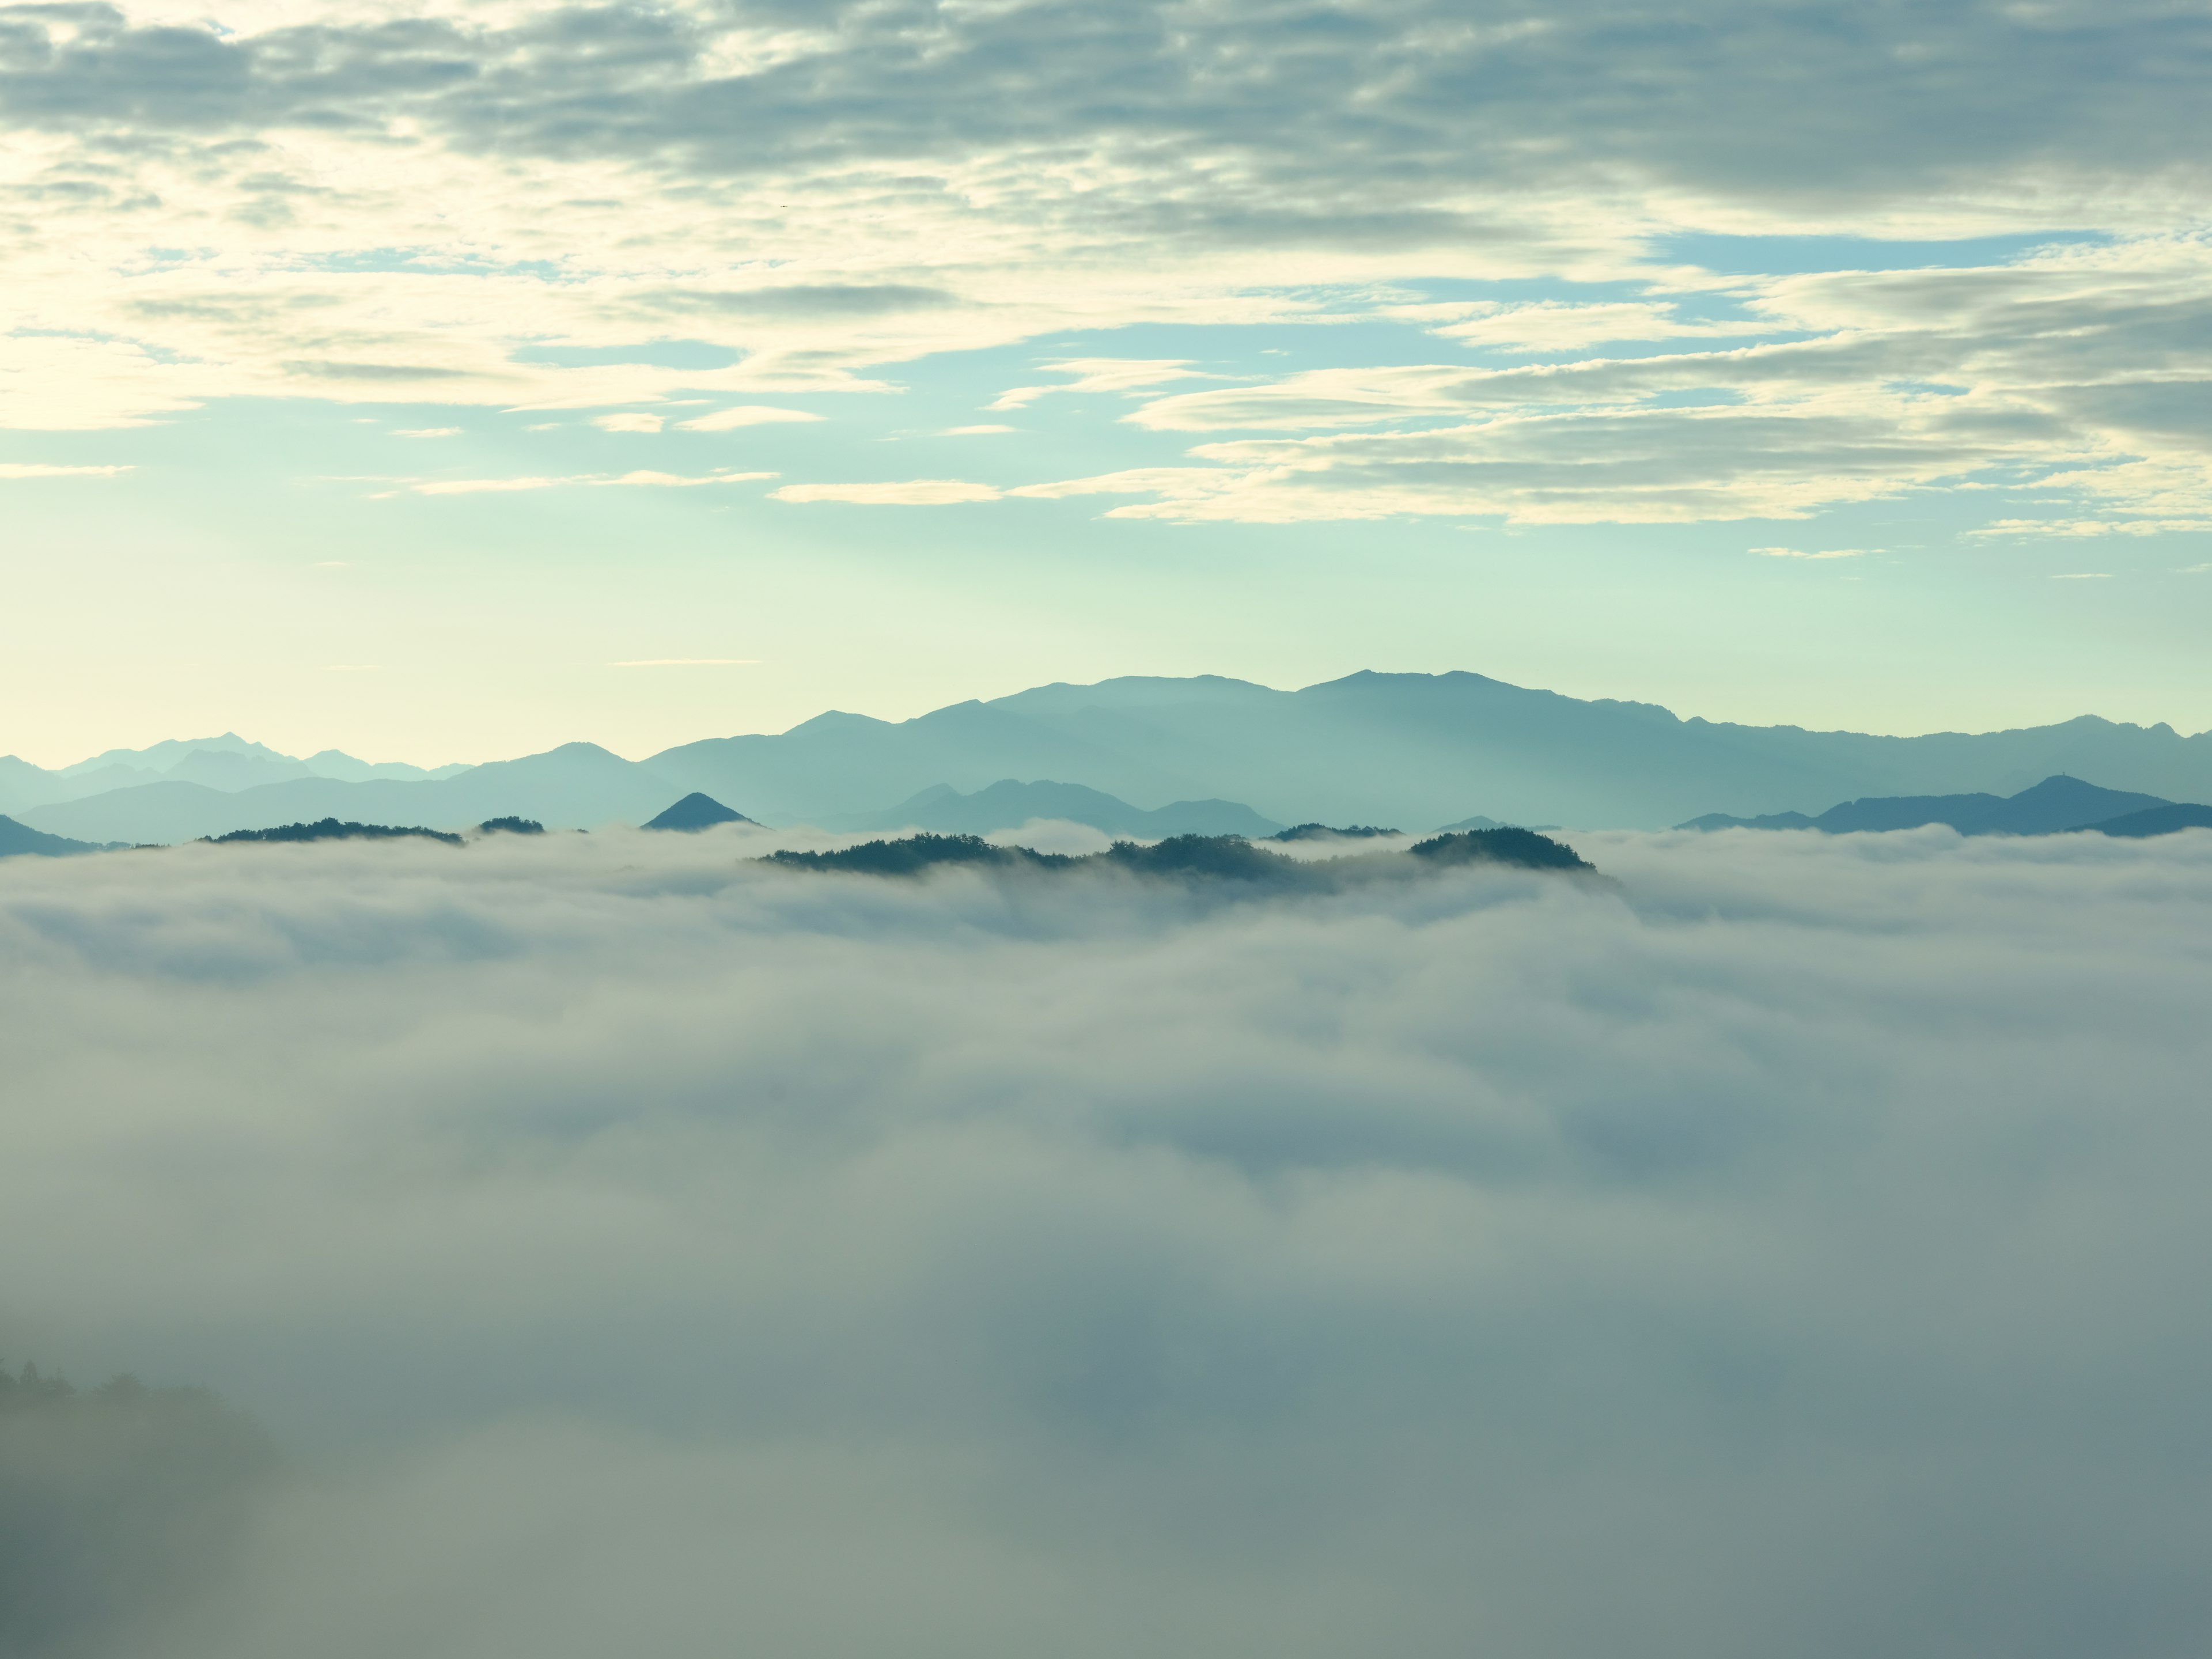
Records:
x=1795, y=1249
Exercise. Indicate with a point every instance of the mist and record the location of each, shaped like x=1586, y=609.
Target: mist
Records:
x=1794, y=1245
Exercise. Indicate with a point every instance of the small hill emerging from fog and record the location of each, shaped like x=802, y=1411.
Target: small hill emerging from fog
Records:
x=2055, y=806
x=1350, y=831
x=332, y=830
x=1228, y=860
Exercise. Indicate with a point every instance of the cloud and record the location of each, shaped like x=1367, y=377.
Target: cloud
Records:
x=2091, y=527
x=369, y=203
x=973, y=431
x=628, y=421
x=592, y=480
x=1122, y=374
x=2084, y=577
x=40, y=470
x=428, y=432
x=1564, y=326
x=728, y=420
x=914, y=492
x=688, y=662
x=1778, y=1253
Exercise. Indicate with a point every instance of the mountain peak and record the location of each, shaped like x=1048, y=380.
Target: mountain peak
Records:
x=696, y=811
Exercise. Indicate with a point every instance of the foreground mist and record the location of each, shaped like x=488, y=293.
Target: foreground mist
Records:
x=1796, y=1248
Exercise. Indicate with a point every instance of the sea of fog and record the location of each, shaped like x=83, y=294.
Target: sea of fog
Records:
x=605, y=1245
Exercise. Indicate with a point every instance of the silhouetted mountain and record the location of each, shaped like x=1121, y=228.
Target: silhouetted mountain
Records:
x=332, y=830
x=1009, y=804
x=1399, y=749
x=2051, y=807
x=695, y=811
x=19, y=838
x=510, y=827
x=2158, y=820
x=1478, y=822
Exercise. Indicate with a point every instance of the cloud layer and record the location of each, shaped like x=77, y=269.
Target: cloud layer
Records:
x=1791, y=1251
x=375, y=202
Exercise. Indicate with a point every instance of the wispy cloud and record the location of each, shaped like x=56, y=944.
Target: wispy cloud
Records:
x=688, y=662
x=584, y=481
x=1122, y=374
x=912, y=492
x=40, y=470
x=975, y=431
x=426, y=432
x=729, y=420
x=631, y=421
x=2082, y=576
x=2087, y=529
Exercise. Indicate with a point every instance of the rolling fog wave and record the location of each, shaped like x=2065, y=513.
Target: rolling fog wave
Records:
x=1794, y=1247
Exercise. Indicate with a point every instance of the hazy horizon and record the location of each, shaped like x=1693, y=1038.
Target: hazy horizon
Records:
x=55, y=760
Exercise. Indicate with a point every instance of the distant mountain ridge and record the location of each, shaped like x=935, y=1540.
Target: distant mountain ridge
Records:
x=1413, y=749
x=2056, y=805
x=229, y=763
x=1009, y=804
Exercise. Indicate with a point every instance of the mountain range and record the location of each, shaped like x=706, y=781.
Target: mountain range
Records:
x=1416, y=750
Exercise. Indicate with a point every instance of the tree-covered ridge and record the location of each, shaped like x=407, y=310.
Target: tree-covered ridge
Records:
x=1523, y=848
x=1219, y=858
x=332, y=830
x=118, y=1505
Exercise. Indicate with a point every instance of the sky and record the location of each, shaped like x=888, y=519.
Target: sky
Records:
x=1793, y=1245
x=444, y=381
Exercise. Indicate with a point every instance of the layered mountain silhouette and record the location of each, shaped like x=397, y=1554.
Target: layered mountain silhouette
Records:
x=1009, y=804
x=695, y=811
x=1413, y=749
x=228, y=763
x=2051, y=807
